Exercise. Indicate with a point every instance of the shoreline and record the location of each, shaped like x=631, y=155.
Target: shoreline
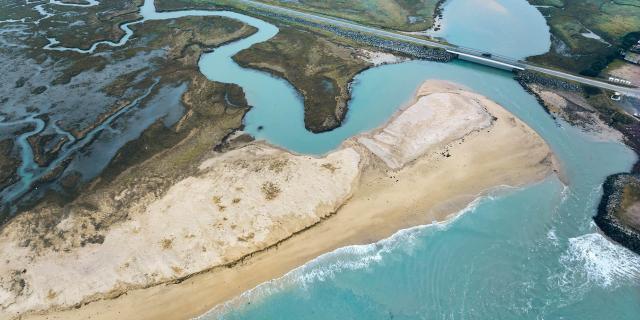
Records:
x=197, y=294
x=255, y=293
x=607, y=223
x=508, y=153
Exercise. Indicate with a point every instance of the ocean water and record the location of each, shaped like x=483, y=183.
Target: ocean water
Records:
x=503, y=259
x=530, y=253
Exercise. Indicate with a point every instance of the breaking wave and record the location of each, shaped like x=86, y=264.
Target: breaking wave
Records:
x=592, y=259
x=355, y=257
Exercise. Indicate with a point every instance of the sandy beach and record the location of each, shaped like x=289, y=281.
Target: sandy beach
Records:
x=263, y=217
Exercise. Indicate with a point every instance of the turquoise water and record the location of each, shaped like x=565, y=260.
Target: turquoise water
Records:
x=278, y=110
x=512, y=28
x=532, y=253
x=278, y=107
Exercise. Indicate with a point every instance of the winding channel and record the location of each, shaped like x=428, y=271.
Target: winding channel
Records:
x=532, y=253
x=30, y=172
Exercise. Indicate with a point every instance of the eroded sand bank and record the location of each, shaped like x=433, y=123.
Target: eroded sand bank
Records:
x=433, y=158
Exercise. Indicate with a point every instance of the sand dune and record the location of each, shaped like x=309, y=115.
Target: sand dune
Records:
x=265, y=211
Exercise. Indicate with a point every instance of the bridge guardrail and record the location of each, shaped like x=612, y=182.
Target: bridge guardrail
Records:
x=489, y=56
x=497, y=57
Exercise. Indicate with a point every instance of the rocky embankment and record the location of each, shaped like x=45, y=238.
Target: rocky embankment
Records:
x=258, y=204
x=597, y=114
x=571, y=106
x=416, y=51
x=530, y=77
x=619, y=210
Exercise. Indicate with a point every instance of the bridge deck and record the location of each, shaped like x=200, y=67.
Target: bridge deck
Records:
x=488, y=61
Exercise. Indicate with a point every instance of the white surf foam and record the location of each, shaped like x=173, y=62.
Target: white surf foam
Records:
x=552, y=236
x=598, y=261
x=356, y=257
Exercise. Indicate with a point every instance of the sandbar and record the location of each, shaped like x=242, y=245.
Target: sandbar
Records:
x=254, y=213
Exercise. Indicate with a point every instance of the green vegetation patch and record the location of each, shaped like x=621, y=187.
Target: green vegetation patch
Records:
x=161, y=155
x=319, y=69
x=406, y=15
x=629, y=211
x=8, y=163
x=576, y=26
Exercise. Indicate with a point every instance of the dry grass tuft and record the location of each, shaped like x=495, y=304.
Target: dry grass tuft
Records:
x=51, y=294
x=270, y=190
x=330, y=167
x=278, y=165
x=167, y=244
x=217, y=200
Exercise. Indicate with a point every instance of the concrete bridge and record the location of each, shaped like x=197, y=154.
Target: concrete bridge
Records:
x=487, y=60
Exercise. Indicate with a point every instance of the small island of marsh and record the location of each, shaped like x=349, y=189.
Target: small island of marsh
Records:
x=254, y=212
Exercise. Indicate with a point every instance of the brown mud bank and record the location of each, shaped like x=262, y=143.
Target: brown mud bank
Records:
x=9, y=163
x=253, y=213
x=318, y=68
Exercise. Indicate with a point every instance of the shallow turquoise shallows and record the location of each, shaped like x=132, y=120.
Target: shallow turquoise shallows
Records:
x=522, y=254
x=532, y=253
x=512, y=28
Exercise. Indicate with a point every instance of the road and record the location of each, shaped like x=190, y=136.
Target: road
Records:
x=499, y=60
